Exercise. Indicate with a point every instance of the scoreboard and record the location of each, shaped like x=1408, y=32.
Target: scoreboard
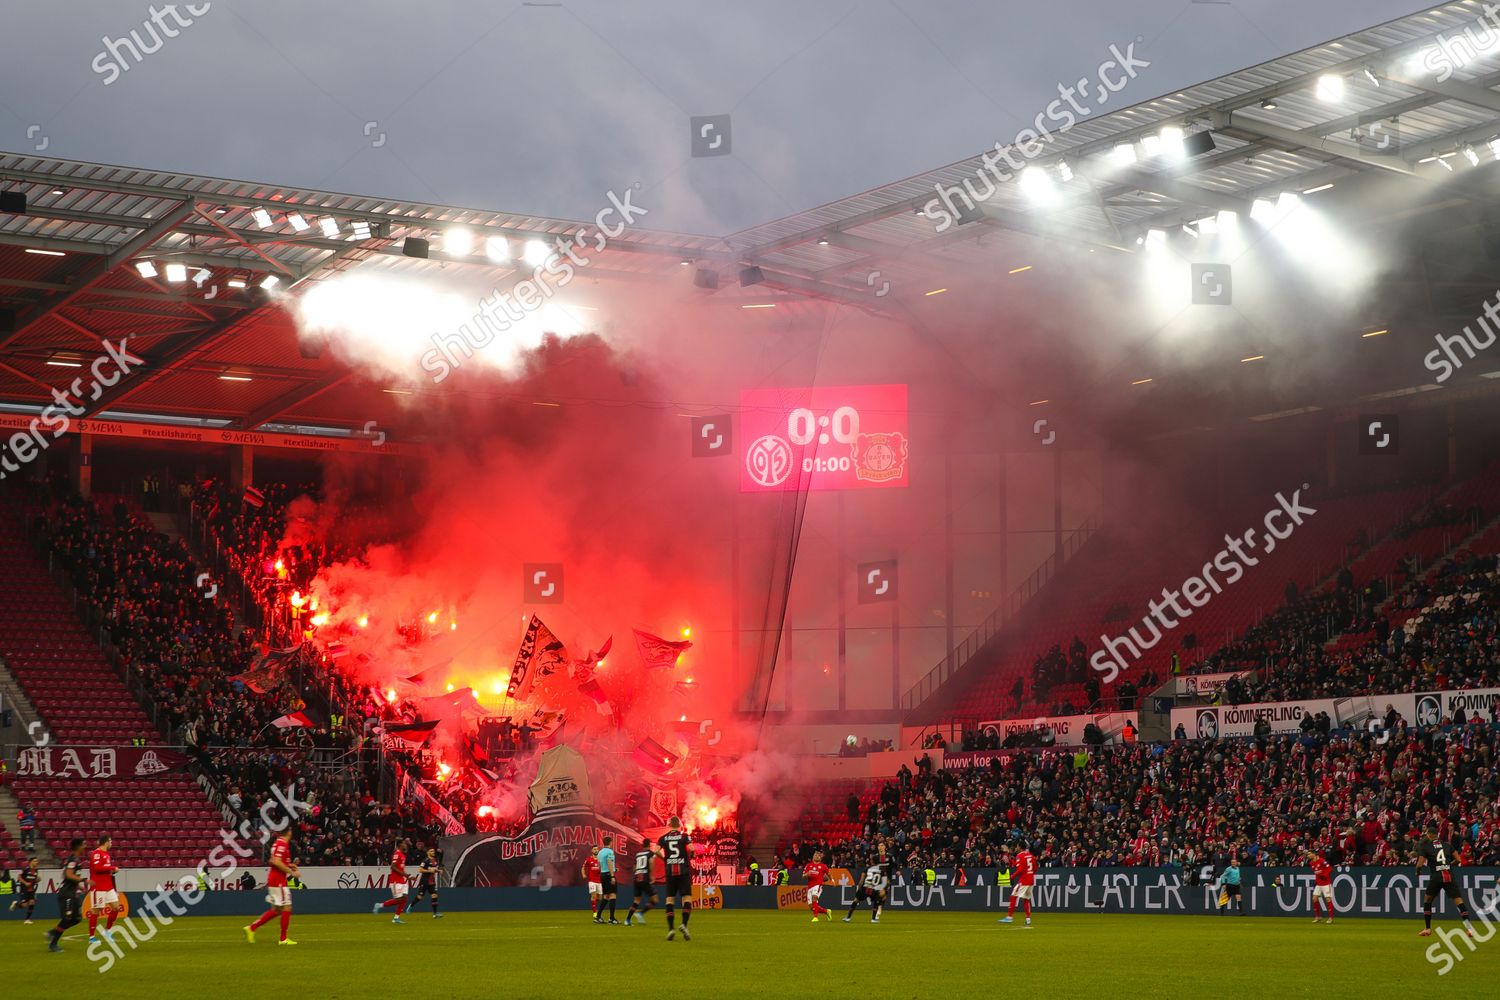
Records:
x=823, y=438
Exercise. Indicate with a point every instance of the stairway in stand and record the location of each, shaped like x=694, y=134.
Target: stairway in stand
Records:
x=156, y=821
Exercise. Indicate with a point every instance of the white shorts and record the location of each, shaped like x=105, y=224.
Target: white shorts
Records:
x=596, y=889
x=1323, y=892
x=1021, y=891
x=100, y=898
x=398, y=890
x=814, y=893
x=278, y=895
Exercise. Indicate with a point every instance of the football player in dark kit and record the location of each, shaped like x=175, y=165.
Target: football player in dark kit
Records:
x=427, y=873
x=643, y=887
x=675, y=852
x=1434, y=855
x=26, y=883
x=69, y=894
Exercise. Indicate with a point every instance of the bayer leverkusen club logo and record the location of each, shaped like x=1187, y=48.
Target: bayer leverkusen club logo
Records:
x=879, y=458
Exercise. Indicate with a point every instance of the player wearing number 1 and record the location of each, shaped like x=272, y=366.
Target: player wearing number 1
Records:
x=1433, y=856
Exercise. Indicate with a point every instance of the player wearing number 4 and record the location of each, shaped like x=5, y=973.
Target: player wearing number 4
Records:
x=1434, y=857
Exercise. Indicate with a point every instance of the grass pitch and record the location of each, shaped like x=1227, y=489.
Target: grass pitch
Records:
x=760, y=953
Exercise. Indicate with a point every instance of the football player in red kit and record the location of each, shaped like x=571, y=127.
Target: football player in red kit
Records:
x=1025, y=882
x=816, y=873
x=397, y=882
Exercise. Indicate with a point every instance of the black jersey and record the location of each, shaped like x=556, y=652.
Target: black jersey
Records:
x=643, y=865
x=877, y=876
x=674, y=848
x=1436, y=854
x=69, y=889
x=26, y=882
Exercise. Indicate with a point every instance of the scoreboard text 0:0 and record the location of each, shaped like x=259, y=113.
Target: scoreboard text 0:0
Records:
x=823, y=438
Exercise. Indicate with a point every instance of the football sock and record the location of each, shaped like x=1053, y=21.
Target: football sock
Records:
x=687, y=911
x=109, y=920
x=671, y=917
x=286, y=921
x=612, y=909
x=94, y=923
x=263, y=919
x=1028, y=909
x=1427, y=918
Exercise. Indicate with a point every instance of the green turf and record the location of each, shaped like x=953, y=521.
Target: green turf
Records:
x=760, y=953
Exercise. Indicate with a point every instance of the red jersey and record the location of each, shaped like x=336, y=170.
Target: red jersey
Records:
x=591, y=869
x=398, y=866
x=1025, y=868
x=281, y=850
x=101, y=871
x=1322, y=871
x=816, y=872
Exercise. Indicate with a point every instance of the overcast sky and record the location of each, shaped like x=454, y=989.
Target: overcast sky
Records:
x=543, y=108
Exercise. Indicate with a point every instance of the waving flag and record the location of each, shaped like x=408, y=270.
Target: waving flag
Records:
x=412, y=732
x=293, y=721
x=594, y=690
x=658, y=653
x=541, y=653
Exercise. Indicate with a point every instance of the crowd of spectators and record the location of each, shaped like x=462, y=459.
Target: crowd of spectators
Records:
x=1448, y=637
x=186, y=653
x=1361, y=798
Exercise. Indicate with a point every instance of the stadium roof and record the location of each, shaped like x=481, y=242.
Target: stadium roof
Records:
x=69, y=275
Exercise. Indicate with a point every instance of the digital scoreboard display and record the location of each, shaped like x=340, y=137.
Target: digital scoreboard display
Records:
x=843, y=437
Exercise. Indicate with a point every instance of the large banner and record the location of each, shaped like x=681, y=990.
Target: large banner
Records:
x=96, y=763
x=1205, y=684
x=1426, y=709
x=1360, y=892
x=549, y=852
x=153, y=879
x=1066, y=729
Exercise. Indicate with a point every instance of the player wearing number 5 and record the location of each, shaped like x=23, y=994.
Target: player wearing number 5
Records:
x=675, y=853
x=1433, y=856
